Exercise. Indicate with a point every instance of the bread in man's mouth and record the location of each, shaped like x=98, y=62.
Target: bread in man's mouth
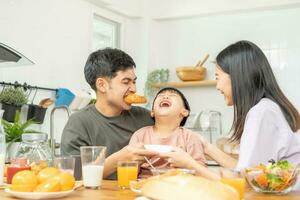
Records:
x=187, y=187
x=134, y=99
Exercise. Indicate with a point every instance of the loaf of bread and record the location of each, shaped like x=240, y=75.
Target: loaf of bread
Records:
x=187, y=187
x=134, y=99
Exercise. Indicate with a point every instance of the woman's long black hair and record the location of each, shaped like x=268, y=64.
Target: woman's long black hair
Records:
x=251, y=80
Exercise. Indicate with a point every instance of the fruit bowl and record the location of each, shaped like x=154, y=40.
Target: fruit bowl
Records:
x=273, y=178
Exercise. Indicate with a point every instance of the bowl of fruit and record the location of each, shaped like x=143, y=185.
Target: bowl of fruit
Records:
x=48, y=183
x=275, y=177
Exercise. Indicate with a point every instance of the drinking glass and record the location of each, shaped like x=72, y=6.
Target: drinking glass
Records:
x=234, y=179
x=92, y=160
x=65, y=164
x=127, y=171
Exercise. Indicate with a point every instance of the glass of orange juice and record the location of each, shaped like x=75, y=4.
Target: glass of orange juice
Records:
x=127, y=171
x=234, y=179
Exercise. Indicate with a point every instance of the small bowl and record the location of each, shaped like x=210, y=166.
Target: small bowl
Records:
x=191, y=73
x=158, y=148
x=282, y=182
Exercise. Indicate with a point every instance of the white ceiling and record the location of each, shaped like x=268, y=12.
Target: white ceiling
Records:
x=166, y=9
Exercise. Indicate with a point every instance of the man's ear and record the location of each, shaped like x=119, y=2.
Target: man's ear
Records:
x=152, y=113
x=101, y=85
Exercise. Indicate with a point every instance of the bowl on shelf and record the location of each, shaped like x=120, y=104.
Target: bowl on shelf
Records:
x=272, y=179
x=191, y=73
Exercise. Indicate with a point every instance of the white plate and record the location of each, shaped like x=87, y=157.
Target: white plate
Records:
x=141, y=198
x=38, y=195
x=158, y=148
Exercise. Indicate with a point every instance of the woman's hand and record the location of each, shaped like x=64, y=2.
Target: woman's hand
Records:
x=179, y=158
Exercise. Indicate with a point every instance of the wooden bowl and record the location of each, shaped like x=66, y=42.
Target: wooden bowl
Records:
x=191, y=73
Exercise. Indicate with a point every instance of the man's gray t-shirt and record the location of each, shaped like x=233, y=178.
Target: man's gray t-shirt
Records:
x=89, y=127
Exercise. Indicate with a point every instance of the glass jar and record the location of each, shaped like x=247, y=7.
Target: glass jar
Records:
x=35, y=148
x=16, y=165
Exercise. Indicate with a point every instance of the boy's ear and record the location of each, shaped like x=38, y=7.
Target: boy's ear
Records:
x=185, y=113
x=101, y=85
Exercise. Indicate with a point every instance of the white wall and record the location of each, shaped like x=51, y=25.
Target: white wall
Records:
x=57, y=36
x=181, y=42
x=170, y=9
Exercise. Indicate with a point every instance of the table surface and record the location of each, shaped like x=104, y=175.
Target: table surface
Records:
x=110, y=191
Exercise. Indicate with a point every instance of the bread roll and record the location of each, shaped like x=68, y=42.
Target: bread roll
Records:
x=187, y=187
x=134, y=99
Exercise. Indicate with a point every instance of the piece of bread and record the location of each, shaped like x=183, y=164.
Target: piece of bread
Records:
x=187, y=187
x=134, y=99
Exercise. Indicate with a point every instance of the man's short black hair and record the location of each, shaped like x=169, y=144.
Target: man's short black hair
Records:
x=185, y=102
x=106, y=63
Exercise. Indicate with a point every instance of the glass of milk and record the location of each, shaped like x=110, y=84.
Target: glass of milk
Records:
x=92, y=160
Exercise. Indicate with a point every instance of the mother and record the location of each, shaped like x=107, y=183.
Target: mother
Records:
x=266, y=124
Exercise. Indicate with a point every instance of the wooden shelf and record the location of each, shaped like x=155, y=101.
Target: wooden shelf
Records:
x=187, y=84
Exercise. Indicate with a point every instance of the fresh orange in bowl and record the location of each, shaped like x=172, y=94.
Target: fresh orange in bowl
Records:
x=24, y=177
x=47, y=173
x=24, y=181
x=22, y=188
x=66, y=180
x=48, y=186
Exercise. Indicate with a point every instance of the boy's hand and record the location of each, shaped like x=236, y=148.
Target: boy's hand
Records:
x=179, y=158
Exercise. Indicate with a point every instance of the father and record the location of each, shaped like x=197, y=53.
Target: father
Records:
x=110, y=122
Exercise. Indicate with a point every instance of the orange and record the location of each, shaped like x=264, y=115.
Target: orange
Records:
x=37, y=167
x=24, y=177
x=24, y=181
x=22, y=188
x=48, y=186
x=47, y=173
x=66, y=180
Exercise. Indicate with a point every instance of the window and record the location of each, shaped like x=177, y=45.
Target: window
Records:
x=106, y=33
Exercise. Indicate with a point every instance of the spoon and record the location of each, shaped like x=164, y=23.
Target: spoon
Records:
x=148, y=161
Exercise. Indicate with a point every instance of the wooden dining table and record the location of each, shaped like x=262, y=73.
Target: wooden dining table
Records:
x=110, y=191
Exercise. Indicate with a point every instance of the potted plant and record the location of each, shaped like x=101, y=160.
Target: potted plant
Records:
x=155, y=76
x=12, y=100
x=13, y=133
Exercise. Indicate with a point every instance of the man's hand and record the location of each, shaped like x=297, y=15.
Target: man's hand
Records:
x=135, y=152
x=129, y=152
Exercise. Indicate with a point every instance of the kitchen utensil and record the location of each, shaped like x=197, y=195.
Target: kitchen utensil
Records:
x=194, y=73
x=158, y=148
x=209, y=122
x=201, y=62
x=45, y=103
x=148, y=161
x=191, y=73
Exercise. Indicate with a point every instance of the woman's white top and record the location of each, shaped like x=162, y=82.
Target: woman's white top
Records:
x=267, y=135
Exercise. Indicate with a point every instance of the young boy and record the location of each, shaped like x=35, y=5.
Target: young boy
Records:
x=170, y=111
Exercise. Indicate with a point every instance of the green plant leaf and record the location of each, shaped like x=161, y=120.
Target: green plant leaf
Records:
x=14, y=96
x=14, y=131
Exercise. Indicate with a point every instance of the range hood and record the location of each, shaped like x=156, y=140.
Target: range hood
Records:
x=11, y=57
